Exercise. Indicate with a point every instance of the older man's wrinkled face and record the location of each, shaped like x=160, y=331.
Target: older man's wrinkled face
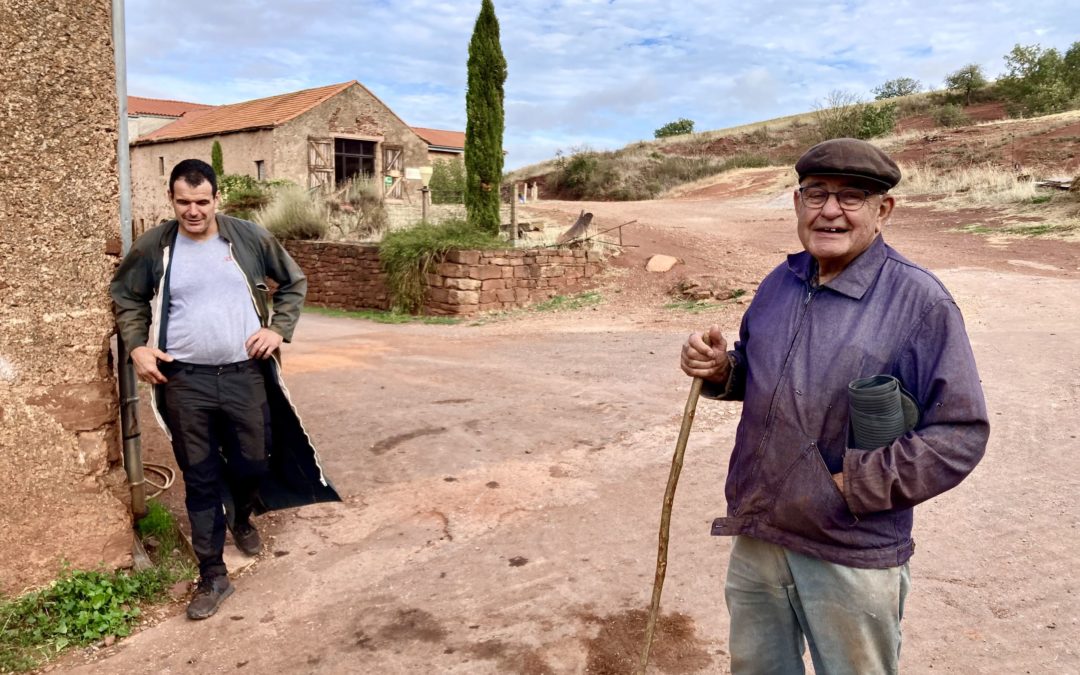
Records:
x=840, y=229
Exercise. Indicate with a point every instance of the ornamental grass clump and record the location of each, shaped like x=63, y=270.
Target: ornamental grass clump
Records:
x=409, y=255
x=294, y=213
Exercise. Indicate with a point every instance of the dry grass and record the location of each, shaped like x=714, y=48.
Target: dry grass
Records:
x=294, y=214
x=1056, y=214
x=785, y=178
x=967, y=186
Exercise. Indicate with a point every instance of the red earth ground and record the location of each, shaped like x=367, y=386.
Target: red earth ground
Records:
x=503, y=477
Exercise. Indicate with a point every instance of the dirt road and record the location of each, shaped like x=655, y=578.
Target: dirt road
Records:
x=503, y=480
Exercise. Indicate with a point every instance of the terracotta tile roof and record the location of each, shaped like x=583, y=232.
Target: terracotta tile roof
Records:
x=258, y=114
x=442, y=138
x=137, y=105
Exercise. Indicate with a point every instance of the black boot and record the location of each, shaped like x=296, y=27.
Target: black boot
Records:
x=209, y=595
x=247, y=538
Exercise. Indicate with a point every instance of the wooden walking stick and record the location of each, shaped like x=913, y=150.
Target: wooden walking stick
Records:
x=665, y=517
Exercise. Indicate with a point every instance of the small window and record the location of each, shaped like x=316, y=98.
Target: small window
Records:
x=260, y=170
x=161, y=166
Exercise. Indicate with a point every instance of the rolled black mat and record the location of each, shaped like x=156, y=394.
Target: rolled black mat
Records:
x=880, y=411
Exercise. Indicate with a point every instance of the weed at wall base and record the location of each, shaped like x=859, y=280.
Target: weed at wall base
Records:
x=84, y=606
x=408, y=255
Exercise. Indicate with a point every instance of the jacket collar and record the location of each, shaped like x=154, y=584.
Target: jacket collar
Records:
x=172, y=230
x=856, y=278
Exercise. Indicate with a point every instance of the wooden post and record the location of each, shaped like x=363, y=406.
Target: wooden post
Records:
x=513, y=217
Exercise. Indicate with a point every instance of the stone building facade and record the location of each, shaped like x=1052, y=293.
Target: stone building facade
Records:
x=59, y=449
x=299, y=137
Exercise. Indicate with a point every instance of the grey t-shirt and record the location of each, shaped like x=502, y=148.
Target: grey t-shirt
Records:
x=211, y=313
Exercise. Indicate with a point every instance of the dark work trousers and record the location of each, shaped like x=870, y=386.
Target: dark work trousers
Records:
x=220, y=424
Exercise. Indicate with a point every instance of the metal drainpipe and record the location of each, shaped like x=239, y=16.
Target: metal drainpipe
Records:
x=129, y=395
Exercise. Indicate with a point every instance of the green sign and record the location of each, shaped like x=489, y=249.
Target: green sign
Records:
x=389, y=180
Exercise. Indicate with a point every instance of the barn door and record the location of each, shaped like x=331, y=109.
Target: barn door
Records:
x=321, y=164
x=393, y=171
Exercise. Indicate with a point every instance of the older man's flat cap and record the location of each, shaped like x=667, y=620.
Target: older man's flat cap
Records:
x=849, y=157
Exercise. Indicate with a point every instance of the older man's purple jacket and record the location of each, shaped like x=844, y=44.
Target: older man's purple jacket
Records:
x=799, y=346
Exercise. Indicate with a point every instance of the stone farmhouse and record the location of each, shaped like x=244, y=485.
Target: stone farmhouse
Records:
x=318, y=138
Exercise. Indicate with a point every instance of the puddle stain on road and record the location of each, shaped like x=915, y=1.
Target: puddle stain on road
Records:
x=512, y=659
x=411, y=625
x=616, y=649
x=389, y=443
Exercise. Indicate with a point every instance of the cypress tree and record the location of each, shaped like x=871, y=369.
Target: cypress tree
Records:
x=217, y=162
x=484, y=122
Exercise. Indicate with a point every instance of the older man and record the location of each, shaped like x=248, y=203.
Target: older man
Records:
x=821, y=526
x=193, y=306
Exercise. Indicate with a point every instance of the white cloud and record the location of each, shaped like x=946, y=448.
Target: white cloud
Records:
x=601, y=72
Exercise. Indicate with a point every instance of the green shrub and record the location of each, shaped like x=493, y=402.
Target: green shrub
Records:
x=876, y=120
x=408, y=255
x=950, y=115
x=586, y=174
x=294, y=213
x=447, y=182
x=679, y=127
x=843, y=115
x=230, y=183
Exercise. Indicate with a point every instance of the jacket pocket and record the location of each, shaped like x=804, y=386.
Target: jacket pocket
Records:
x=265, y=298
x=809, y=503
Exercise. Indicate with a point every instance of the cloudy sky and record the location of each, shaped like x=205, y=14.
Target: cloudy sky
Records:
x=582, y=73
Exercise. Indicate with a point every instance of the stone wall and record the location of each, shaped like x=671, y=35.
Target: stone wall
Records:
x=348, y=276
x=482, y=281
x=341, y=276
x=59, y=206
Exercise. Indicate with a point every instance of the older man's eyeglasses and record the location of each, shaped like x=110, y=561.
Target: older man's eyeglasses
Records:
x=849, y=199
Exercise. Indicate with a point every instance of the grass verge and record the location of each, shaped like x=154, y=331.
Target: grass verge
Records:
x=82, y=607
x=562, y=303
x=380, y=316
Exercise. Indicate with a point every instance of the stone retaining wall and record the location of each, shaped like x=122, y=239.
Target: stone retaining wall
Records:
x=341, y=275
x=481, y=281
x=348, y=276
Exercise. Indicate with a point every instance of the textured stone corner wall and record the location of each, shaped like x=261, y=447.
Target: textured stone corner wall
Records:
x=482, y=281
x=341, y=275
x=58, y=207
x=349, y=276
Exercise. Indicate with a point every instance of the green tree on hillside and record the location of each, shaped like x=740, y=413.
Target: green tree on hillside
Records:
x=1071, y=68
x=1035, y=81
x=484, y=123
x=901, y=86
x=217, y=162
x=966, y=81
x=677, y=128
